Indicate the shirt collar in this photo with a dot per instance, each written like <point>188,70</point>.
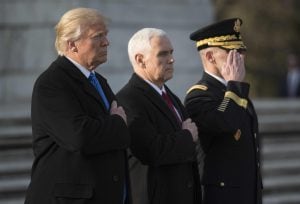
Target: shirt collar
<point>217,78</point>
<point>156,88</point>
<point>83,70</point>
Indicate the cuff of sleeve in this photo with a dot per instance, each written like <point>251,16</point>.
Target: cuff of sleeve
<point>238,92</point>
<point>239,88</point>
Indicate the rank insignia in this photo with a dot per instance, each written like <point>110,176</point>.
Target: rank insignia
<point>237,25</point>
<point>199,87</point>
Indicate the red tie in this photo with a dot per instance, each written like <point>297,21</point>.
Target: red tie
<point>171,106</point>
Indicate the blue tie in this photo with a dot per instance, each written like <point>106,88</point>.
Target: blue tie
<point>96,84</point>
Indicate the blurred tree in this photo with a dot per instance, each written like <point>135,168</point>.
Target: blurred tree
<point>271,31</point>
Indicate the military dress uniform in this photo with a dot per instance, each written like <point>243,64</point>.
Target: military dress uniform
<point>228,132</point>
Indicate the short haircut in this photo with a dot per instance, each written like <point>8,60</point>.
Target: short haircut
<point>73,24</point>
<point>140,41</point>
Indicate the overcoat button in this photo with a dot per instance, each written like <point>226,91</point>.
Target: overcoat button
<point>115,178</point>
<point>189,185</point>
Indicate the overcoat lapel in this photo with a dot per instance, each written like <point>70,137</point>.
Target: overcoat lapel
<point>155,98</point>
<point>75,73</point>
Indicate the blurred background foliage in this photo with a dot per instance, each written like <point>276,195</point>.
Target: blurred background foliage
<point>271,31</point>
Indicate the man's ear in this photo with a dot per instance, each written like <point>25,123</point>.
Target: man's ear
<point>139,59</point>
<point>72,46</point>
<point>209,55</point>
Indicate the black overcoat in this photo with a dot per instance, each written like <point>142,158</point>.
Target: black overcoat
<point>159,142</point>
<point>79,148</point>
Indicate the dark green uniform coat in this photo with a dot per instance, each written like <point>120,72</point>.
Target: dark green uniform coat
<point>228,132</point>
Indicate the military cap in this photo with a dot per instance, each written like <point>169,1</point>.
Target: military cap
<point>224,34</point>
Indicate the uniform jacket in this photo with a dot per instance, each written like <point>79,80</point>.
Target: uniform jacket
<point>79,147</point>
<point>159,142</point>
<point>228,132</point>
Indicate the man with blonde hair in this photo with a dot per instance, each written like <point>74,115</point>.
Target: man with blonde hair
<point>80,133</point>
<point>163,137</point>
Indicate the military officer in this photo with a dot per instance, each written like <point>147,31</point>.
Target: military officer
<point>228,129</point>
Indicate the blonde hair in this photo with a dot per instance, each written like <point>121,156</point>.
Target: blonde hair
<point>140,41</point>
<point>73,24</point>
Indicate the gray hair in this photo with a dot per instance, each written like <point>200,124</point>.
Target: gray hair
<point>140,41</point>
<point>73,24</point>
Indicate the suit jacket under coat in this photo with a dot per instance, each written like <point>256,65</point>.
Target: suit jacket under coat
<point>228,136</point>
<point>79,147</point>
<point>158,141</point>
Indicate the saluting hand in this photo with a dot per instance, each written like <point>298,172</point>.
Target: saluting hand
<point>189,125</point>
<point>234,68</point>
<point>118,111</point>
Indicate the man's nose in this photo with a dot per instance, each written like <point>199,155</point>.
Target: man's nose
<point>105,42</point>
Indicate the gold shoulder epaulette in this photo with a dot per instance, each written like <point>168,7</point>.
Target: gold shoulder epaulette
<point>198,86</point>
